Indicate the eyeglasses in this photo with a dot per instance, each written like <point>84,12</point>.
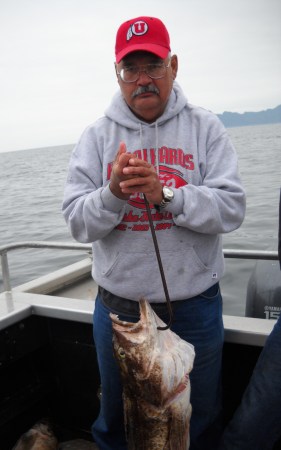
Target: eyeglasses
<point>155,71</point>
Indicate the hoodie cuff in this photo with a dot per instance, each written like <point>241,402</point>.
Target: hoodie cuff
<point>110,201</point>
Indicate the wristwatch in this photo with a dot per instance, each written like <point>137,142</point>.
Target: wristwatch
<point>168,195</point>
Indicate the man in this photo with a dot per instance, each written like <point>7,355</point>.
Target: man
<point>256,425</point>
<point>152,142</point>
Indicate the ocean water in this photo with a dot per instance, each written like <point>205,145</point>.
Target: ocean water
<point>32,183</point>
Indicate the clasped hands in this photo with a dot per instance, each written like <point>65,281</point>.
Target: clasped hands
<point>131,175</point>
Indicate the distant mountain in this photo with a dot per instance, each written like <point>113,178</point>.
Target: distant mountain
<point>232,119</point>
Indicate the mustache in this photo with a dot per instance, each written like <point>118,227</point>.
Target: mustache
<point>144,89</point>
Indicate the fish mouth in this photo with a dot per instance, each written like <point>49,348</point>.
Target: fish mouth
<point>123,325</point>
<point>148,320</point>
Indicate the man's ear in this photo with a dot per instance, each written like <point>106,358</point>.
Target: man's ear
<point>174,66</point>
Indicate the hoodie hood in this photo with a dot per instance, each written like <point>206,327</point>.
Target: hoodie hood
<point>119,112</point>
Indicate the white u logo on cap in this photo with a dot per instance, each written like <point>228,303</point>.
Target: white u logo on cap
<point>139,28</point>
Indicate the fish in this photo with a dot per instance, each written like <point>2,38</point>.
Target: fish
<point>154,367</point>
<point>39,437</point>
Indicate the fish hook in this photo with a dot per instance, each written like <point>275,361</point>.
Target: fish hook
<point>169,305</point>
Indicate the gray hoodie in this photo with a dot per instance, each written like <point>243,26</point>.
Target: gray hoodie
<point>193,155</point>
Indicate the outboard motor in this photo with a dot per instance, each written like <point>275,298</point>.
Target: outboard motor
<point>264,291</point>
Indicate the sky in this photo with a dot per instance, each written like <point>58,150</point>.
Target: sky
<point>57,60</point>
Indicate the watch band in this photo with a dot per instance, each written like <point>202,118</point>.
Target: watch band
<point>161,205</point>
<point>168,196</point>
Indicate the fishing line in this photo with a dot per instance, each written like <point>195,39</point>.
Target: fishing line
<point>169,305</point>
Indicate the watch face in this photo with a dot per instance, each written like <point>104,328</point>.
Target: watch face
<point>168,194</point>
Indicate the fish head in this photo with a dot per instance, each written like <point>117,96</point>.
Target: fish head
<point>151,360</point>
<point>133,342</point>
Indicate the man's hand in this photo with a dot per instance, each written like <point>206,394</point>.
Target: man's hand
<point>143,178</point>
<point>117,175</point>
<point>131,175</point>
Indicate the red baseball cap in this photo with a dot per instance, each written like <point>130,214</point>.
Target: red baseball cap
<point>142,33</point>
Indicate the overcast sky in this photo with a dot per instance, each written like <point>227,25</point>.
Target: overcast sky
<point>56,60</point>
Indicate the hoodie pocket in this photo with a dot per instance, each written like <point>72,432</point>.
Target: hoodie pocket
<point>134,275</point>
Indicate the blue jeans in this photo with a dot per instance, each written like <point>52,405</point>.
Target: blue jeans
<point>256,425</point>
<point>197,320</point>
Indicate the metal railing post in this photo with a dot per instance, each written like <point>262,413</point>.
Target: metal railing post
<point>5,272</point>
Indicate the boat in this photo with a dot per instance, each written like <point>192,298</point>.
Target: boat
<point>48,365</point>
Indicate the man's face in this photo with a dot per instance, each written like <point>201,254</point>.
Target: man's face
<point>148,104</point>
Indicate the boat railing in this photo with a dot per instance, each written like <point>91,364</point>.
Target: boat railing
<point>4,250</point>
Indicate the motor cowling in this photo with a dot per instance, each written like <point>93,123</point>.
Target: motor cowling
<point>264,291</point>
